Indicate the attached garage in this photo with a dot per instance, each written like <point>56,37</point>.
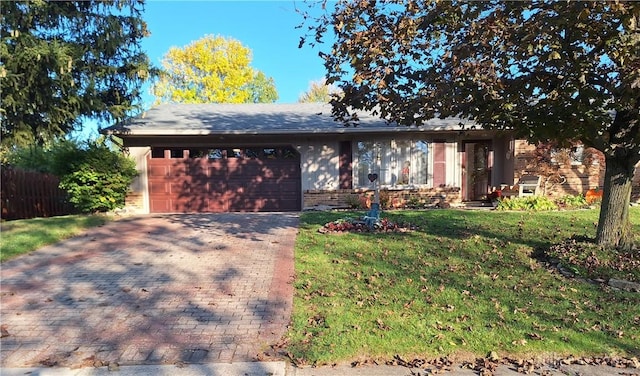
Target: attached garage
<point>225,179</point>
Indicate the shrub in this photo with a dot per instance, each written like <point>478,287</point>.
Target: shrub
<point>99,180</point>
<point>529,203</point>
<point>385,199</point>
<point>358,201</point>
<point>96,178</point>
<point>572,202</point>
<point>353,201</point>
<point>416,202</point>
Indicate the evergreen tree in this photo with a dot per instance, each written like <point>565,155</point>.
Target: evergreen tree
<point>63,61</point>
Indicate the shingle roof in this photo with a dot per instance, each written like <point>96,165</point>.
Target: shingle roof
<point>258,118</point>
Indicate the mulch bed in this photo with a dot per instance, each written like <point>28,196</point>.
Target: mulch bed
<point>359,225</point>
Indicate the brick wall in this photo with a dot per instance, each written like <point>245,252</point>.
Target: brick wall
<point>579,178</point>
<point>134,202</point>
<point>344,198</point>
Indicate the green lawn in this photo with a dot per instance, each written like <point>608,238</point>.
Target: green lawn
<point>25,235</point>
<point>466,283</point>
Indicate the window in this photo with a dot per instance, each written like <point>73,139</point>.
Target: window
<point>397,162</point>
<point>205,153</point>
<point>252,153</point>
<point>289,153</point>
<point>157,152</point>
<point>577,155</point>
<point>197,153</point>
<point>177,153</point>
<point>270,153</point>
<point>234,153</point>
<point>573,156</point>
<point>214,154</point>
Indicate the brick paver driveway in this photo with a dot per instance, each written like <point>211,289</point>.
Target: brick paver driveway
<point>164,289</point>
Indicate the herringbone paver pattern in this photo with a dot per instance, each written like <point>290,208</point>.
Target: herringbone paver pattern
<point>152,289</point>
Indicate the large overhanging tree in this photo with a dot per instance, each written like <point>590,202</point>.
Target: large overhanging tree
<point>63,61</point>
<point>548,70</point>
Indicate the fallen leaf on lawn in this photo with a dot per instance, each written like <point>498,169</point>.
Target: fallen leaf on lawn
<point>3,331</point>
<point>520,342</point>
<point>535,336</point>
<point>382,325</point>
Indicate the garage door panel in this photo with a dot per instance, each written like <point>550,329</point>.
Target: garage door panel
<point>216,186</point>
<point>158,188</point>
<point>274,186</point>
<point>198,171</point>
<point>248,169</point>
<point>217,205</point>
<point>192,205</point>
<point>160,206</point>
<point>157,171</point>
<point>286,185</point>
<point>182,187</point>
<point>247,204</point>
<point>240,184</point>
<point>279,205</point>
<point>217,171</point>
<point>176,169</point>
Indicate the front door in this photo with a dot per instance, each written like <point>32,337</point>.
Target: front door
<point>477,170</point>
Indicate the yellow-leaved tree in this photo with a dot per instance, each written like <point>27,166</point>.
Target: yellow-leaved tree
<point>319,92</point>
<point>213,69</point>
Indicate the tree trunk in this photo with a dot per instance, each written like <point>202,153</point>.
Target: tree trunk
<point>614,227</point>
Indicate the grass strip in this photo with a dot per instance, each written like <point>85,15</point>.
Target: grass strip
<point>25,235</point>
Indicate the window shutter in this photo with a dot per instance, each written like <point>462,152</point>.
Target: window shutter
<point>439,164</point>
<point>345,168</point>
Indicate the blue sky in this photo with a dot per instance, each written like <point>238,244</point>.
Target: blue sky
<point>268,28</point>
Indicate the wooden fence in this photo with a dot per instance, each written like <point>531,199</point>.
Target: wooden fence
<point>26,194</point>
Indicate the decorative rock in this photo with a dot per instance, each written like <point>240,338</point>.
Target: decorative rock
<point>624,285</point>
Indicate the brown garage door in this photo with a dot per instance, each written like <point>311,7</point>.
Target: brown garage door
<point>224,179</point>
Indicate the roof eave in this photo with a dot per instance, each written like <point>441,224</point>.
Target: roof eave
<point>290,132</point>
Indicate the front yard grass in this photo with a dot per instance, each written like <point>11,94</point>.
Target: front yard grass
<point>25,235</point>
<point>466,283</point>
